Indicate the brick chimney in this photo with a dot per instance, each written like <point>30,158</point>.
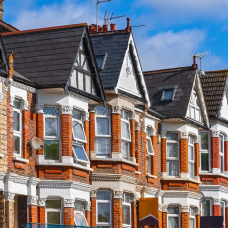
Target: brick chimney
<point>1,9</point>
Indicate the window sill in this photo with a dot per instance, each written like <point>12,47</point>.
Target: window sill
<point>214,174</point>
<point>181,179</point>
<point>15,158</point>
<point>137,172</point>
<point>115,160</point>
<point>151,176</point>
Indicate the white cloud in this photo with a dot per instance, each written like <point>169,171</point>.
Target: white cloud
<point>55,15</point>
<point>169,49</point>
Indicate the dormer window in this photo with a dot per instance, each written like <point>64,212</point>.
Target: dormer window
<point>168,94</point>
<point>101,59</point>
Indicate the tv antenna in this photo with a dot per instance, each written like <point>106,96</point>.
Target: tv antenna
<point>109,17</point>
<point>199,56</point>
<point>97,2</point>
<point>137,26</point>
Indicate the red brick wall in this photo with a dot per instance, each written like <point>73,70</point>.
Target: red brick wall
<point>66,135</point>
<point>68,217</point>
<point>93,212</point>
<point>117,213</point>
<point>41,214</point>
<point>133,215</point>
<point>86,128</point>
<point>116,133</point>
<point>216,210</point>
<point>32,214</point>
<point>164,219</point>
<point>226,217</point>
<point>185,220</point>
<point>226,156</point>
<point>40,130</point>
<point>160,219</point>
<point>87,215</point>
<point>215,152</point>
<point>132,144</point>
<point>183,155</point>
<point>197,221</point>
<point>137,148</point>
<point>163,152</point>
<point>197,160</point>
<point>153,158</point>
<point>92,131</point>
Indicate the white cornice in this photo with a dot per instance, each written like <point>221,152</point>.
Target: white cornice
<point>24,87</point>
<point>213,188</point>
<point>181,194</point>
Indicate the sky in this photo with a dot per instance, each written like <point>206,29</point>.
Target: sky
<point>175,29</point>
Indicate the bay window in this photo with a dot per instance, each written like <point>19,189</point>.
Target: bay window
<point>172,154</point>
<point>206,207</point>
<point>149,149</point>
<point>51,133</point>
<point>204,151</point>
<point>221,153</point>
<point>192,218</point>
<point>17,127</point>
<point>173,217</point>
<point>103,132</point>
<point>104,208</point>
<point>191,156</point>
<point>53,210</point>
<point>125,134</point>
<point>126,210</point>
<point>79,214</point>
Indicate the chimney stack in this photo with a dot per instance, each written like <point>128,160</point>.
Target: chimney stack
<point>1,9</point>
<point>195,66</point>
<point>105,28</point>
<point>128,28</point>
<point>113,27</point>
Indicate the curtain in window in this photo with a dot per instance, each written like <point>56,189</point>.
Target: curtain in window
<point>78,131</point>
<point>102,126</point>
<point>206,208</point>
<point>102,146</point>
<point>173,168</point>
<point>173,222</point>
<point>172,150</point>
<point>125,133</point>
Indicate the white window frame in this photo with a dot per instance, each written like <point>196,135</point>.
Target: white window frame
<point>54,210</point>
<point>174,215</point>
<point>149,154</point>
<point>126,141</point>
<point>191,161</point>
<point>178,153</point>
<point>224,212</point>
<point>79,212</point>
<point>203,151</point>
<point>18,133</point>
<point>129,205</point>
<point>103,224</point>
<point>79,160</point>
<point>192,217</point>
<point>55,138</point>
<point>221,153</point>
<point>97,136</point>
<point>195,107</point>
<point>211,207</point>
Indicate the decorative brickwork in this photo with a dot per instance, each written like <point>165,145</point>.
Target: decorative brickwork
<point>133,215</point>
<point>197,221</point>
<point>116,133</point>
<point>214,152</point>
<point>33,214</point>
<point>164,219</point>
<point>184,220</point>
<point>160,219</point>
<point>216,210</point>
<point>93,212</point>
<point>66,135</point>
<point>117,213</point>
<point>41,214</point>
<point>183,155</point>
<point>68,216</point>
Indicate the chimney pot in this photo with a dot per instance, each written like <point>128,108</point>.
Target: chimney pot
<point>92,29</point>
<point>113,27</point>
<point>128,28</point>
<point>105,28</point>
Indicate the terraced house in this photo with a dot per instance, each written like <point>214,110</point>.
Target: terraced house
<point>85,133</point>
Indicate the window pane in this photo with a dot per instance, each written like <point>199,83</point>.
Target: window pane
<point>78,131</point>
<point>16,121</point>
<point>100,60</point>
<point>221,162</point>
<point>80,81</point>
<point>204,140</point>
<point>103,195</point>
<point>192,112</point>
<point>204,162</point>
<point>16,145</point>
<point>80,220</point>
<point>53,217</point>
<point>149,146</point>
<point>87,83</point>
<point>191,169</point>
<point>222,208</point>
<point>192,221</point>
<point>173,168</point>
<point>17,104</point>
<point>79,206</point>
<point>206,208</point>
<point>125,131</point>
<point>190,152</point>
<point>148,164</point>
<point>102,146</point>
<point>51,149</point>
<point>126,214</point>
<point>173,222</point>
<point>77,115</point>
<point>80,153</point>
<point>220,143</point>
<point>168,94</point>
<point>51,127</point>
<point>172,150</point>
<point>102,126</point>
<point>53,204</point>
<point>125,149</point>
<point>197,115</point>
<point>104,212</point>
<point>51,111</point>
<point>173,210</point>
<point>124,115</point>
<point>126,198</point>
<point>172,136</point>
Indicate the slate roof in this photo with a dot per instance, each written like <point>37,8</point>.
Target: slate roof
<point>213,84</point>
<point>182,78</point>
<point>115,45</point>
<point>45,56</point>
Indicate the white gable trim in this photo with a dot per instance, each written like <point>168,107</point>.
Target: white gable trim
<point>222,102</point>
<point>135,54</point>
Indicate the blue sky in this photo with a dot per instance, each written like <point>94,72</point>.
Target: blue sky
<point>175,29</point>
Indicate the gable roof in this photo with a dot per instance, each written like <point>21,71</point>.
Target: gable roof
<point>115,45</point>
<point>181,79</point>
<point>45,56</point>
<point>213,84</point>
<point>5,27</point>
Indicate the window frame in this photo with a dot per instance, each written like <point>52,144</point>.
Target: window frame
<point>129,205</point>
<point>194,106</point>
<point>75,156</point>
<point>149,154</point>
<point>79,212</point>
<point>82,124</point>
<point>178,152</point>
<point>103,136</point>
<point>103,224</point>
<point>18,133</point>
<point>192,217</point>
<point>191,161</point>
<point>54,210</point>
<point>211,207</point>
<point>224,212</point>
<point>221,153</point>
<point>124,140</point>
<point>203,151</point>
<point>174,216</point>
<point>168,88</point>
<point>53,138</point>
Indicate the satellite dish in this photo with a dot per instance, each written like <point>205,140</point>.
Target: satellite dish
<point>37,143</point>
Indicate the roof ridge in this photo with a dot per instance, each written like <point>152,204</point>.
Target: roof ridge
<point>168,70</point>
<point>9,26</point>
<point>42,29</point>
<point>122,31</point>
